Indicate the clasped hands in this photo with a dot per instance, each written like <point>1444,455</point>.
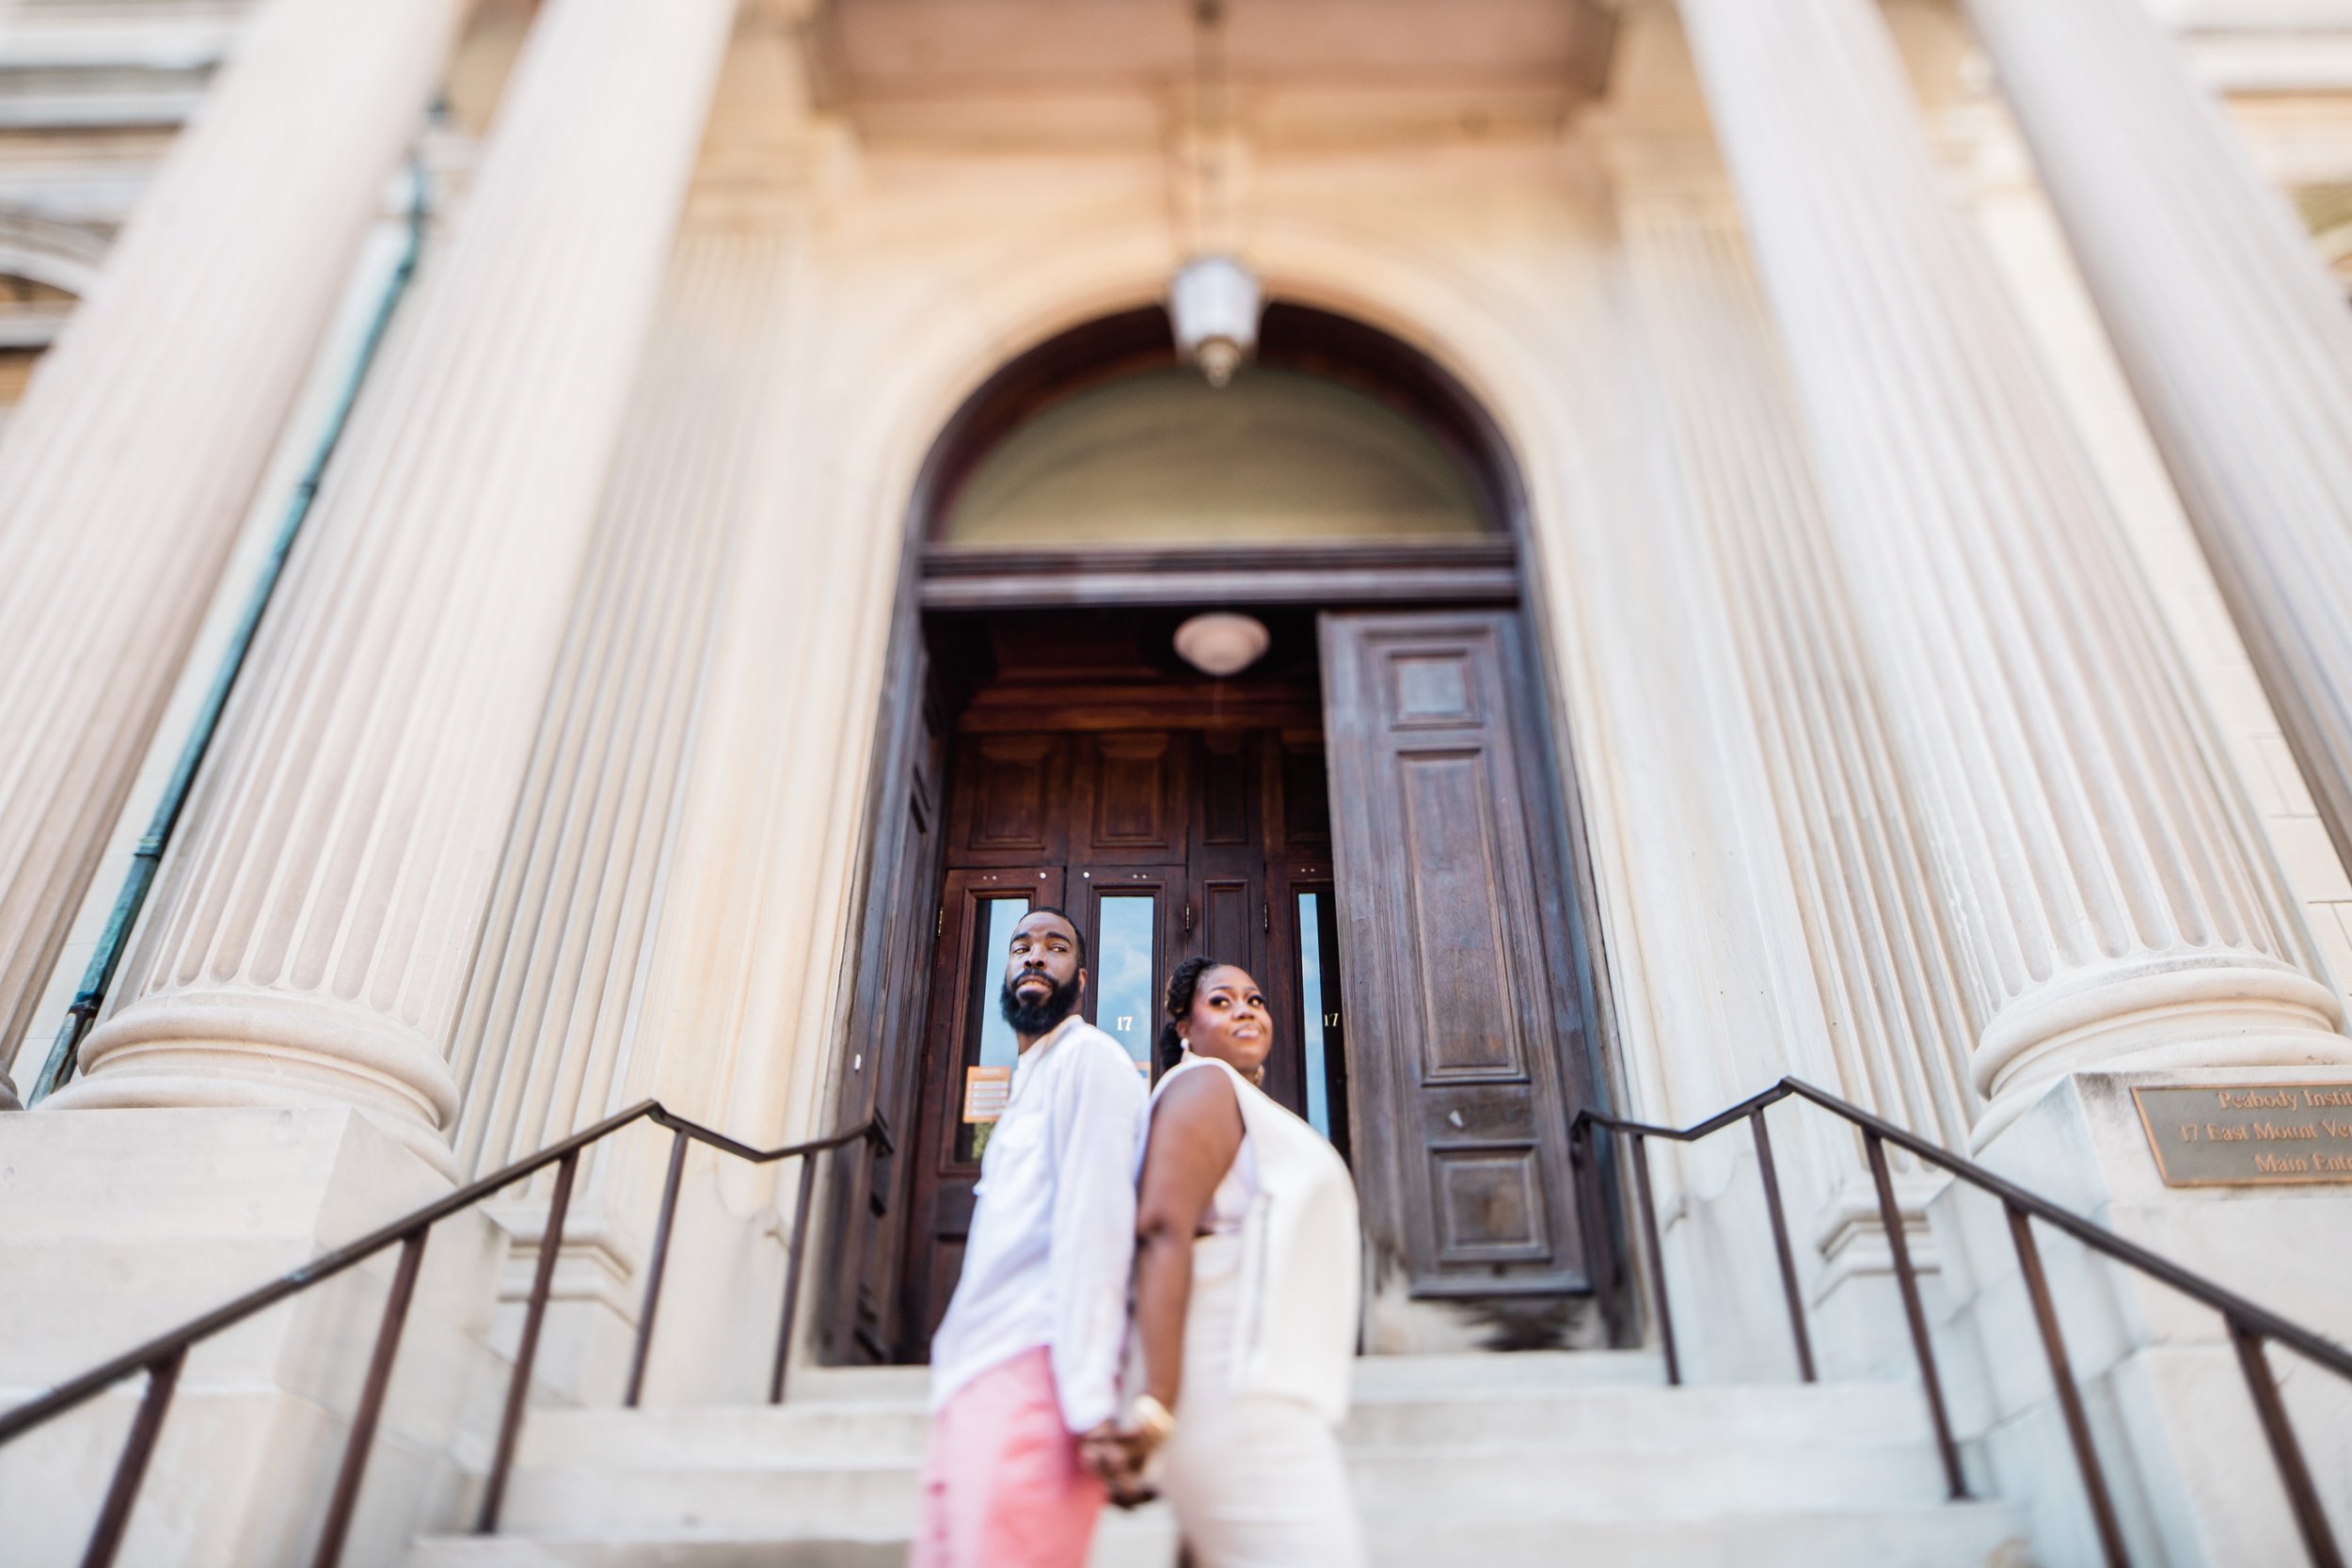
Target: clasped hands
<point>1119,1458</point>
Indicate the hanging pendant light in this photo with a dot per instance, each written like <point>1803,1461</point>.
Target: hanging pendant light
<point>1215,302</point>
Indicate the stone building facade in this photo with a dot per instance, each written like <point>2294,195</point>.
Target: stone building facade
<point>1786,537</point>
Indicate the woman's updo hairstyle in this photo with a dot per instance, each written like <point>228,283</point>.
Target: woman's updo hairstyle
<point>1182,987</point>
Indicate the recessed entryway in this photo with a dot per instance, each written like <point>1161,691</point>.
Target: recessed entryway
<point>1367,814</point>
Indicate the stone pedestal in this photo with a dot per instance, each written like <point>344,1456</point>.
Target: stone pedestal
<point>2169,1411</point>
<point>117,1225</point>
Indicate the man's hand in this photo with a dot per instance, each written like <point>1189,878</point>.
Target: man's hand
<point>1118,1458</point>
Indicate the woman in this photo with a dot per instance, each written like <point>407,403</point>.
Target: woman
<point>1246,1295</point>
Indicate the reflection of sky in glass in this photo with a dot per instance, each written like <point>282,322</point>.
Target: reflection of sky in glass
<point>1122,1003</point>
<point>997,1046</point>
<point>1311,1010</point>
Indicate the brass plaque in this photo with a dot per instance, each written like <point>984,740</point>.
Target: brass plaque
<point>2249,1134</point>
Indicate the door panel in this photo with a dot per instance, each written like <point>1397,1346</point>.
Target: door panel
<point>1456,924</point>
<point>1231,918</point>
<point>1011,800</point>
<point>1133,798</point>
<point>1225,769</point>
<point>1300,793</point>
<point>1467,1065</point>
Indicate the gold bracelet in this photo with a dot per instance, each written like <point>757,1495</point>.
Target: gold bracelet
<point>1150,1416</point>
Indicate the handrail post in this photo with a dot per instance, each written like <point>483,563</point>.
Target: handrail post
<point>2069,1398</point>
<point>2311,1516</point>
<point>792,1276</point>
<point>1907,1282</point>
<point>138,1446</point>
<point>1766,1169</point>
<point>1657,1255</point>
<point>654,1267</point>
<point>345,1499</point>
<point>518,1387</point>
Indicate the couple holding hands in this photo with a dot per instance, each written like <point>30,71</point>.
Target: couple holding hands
<point>1159,1293</point>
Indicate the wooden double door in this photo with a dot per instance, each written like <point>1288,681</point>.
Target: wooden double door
<point>1380,841</point>
<point>1159,843</point>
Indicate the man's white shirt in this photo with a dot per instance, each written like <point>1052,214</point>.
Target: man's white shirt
<point>1052,1233</point>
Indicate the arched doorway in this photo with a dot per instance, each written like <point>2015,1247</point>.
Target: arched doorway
<point>1365,815</point>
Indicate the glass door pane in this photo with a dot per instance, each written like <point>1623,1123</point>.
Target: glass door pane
<point>1322,1031</point>
<point>1130,910</point>
<point>1127,978</point>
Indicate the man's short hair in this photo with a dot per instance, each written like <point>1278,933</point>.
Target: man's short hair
<point>1068,919</point>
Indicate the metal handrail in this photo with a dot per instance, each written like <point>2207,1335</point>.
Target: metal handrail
<point>162,1357</point>
<point>2250,1324</point>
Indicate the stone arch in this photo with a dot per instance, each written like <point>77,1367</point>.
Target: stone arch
<point>958,340</point>
<point>923,353</point>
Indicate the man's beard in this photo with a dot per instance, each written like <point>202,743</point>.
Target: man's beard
<point>1034,1018</point>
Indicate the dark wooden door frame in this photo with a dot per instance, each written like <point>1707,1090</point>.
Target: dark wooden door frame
<point>1456,575</point>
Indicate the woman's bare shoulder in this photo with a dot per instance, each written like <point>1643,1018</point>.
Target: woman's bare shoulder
<point>1197,1097</point>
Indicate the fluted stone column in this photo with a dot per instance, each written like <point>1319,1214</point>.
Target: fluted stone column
<point>2231,330</point>
<point>319,926</point>
<point>544,1038</point>
<point>2097,874</point>
<point>133,457</point>
<point>1898,1028</point>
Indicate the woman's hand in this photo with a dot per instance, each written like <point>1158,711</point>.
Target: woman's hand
<point>1119,1458</point>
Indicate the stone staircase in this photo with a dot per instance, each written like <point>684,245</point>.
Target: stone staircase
<point>1477,1460</point>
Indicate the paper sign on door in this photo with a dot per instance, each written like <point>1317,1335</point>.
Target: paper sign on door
<point>986,1092</point>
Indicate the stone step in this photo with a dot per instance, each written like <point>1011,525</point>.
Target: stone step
<point>873,1431</point>
<point>1475,1374</point>
<point>1858,1415</point>
<point>1481,1461</point>
<point>788,1498</point>
<point>1953,1535</point>
<point>1467,1374</point>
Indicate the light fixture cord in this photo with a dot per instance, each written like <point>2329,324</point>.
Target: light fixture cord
<point>1211,120</point>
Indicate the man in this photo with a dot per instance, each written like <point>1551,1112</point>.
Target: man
<point>1024,1367</point>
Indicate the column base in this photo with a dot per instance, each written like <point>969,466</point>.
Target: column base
<point>2176,1433</point>
<point>2158,1012</point>
<point>121,1224</point>
<point>262,1049</point>
<point>1855,1305</point>
<point>593,1301</point>
<point>1723,1276</point>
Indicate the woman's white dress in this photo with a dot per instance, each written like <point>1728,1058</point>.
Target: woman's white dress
<point>1253,1471</point>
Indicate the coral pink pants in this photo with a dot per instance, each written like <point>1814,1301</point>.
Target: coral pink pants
<point>1003,1486</point>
